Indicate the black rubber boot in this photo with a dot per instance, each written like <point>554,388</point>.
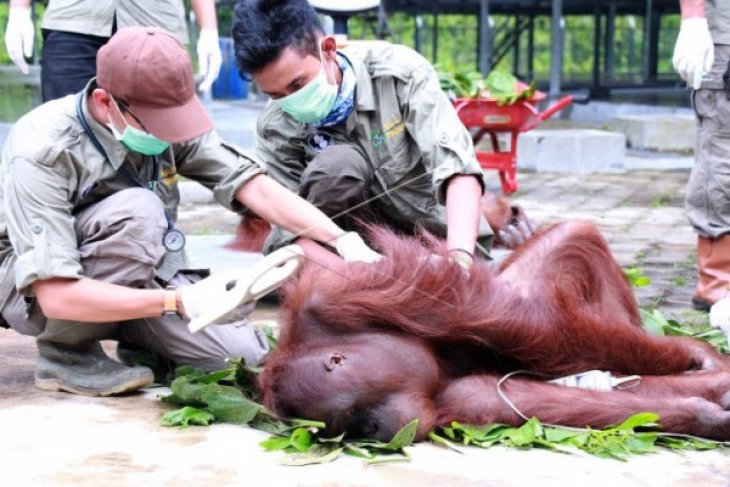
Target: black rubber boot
<point>700,304</point>
<point>87,372</point>
<point>132,355</point>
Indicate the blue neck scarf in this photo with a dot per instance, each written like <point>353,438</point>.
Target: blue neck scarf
<point>345,101</point>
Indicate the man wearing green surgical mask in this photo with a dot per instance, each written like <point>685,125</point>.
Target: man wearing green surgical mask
<point>363,133</point>
<point>88,203</point>
<point>134,139</point>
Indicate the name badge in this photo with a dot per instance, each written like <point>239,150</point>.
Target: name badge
<point>319,141</point>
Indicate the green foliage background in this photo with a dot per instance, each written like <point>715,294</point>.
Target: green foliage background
<point>457,41</point>
<point>4,59</point>
<point>458,37</point>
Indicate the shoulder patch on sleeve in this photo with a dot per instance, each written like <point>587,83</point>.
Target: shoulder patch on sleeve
<point>42,138</point>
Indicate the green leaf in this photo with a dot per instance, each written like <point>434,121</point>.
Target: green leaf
<point>523,436</point>
<point>565,436</point>
<point>389,459</point>
<point>275,443</point>
<point>336,439</point>
<point>642,281</point>
<point>227,404</point>
<point>188,371</point>
<point>641,443</point>
<point>302,439</point>
<point>173,399</point>
<point>639,419</point>
<point>480,433</point>
<point>307,423</point>
<point>403,437</point>
<point>654,322</point>
<point>441,441</point>
<point>686,443</point>
<point>186,416</point>
<point>636,277</point>
<point>316,455</point>
<point>228,375</point>
<point>356,451</point>
<point>501,85</point>
<point>187,389</point>
<point>270,425</point>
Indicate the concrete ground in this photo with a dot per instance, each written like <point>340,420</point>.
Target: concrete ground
<point>61,439</point>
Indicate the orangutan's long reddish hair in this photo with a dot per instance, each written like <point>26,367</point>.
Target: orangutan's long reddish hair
<point>559,305</point>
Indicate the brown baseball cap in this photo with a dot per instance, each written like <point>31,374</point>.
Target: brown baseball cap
<point>150,70</point>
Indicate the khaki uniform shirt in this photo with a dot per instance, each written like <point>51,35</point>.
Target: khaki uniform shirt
<point>718,19</point>
<point>402,123</point>
<point>50,169</point>
<point>96,17</point>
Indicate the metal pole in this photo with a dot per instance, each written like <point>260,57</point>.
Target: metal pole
<point>531,49</point>
<point>435,38</point>
<point>610,36</point>
<point>654,45</point>
<point>485,48</point>
<point>631,47</point>
<point>340,24</point>
<point>597,45</point>
<point>646,70</point>
<point>382,22</point>
<point>556,49</point>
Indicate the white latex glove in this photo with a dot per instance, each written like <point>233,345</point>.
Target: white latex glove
<point>352,248</point>
<point>720,315</point>
<point>19,36</point>
<point>227,297</point>
<point>209,57</point>
<point>694,51</point>
<point>213,293</point>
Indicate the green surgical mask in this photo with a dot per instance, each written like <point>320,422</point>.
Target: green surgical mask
<point>312,102</point>
<point>138,140</point>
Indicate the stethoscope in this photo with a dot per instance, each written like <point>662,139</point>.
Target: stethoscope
<point>173,239</point>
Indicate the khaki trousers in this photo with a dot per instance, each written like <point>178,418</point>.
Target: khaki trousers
<point>120,241</point>
<point>708,191</point>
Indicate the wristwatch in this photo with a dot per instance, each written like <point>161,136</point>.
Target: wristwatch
<point>169,307</point>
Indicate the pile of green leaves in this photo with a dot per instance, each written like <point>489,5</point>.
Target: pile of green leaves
<point>616,442</point>
<point>222,396</point>
<point>230,396</point>
<point>304,447</point>
<point>656,324</point>
<point>500,85</point>
<point>461,84</point>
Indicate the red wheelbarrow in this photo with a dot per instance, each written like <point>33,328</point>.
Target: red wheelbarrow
<point>488,117</point>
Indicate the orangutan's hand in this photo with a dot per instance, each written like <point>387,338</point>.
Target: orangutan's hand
<point>518,230</point>
<point>511,225</point>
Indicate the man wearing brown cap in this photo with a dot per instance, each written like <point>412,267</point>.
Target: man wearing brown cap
<point>88,245</point>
